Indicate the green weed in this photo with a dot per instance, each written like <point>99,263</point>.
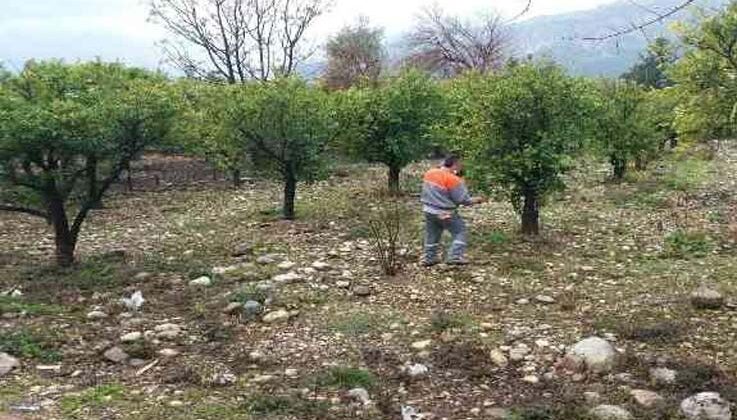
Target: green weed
<point>93,398</point>
<point>346,378</point>
<point>684,244</point>
<point>28,345</point>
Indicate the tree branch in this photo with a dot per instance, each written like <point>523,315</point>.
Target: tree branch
<point>640,26</point>
<point>26,210</point>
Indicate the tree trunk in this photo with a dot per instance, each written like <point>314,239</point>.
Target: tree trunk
<point>236,173</point>
<point>619,168</point>
<point>290,191</point>
<point>65,240</point>
<point>92,187</point>
<point>531,214</point>
<point>394,179</point>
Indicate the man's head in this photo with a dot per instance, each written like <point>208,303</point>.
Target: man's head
<point>453,163</point>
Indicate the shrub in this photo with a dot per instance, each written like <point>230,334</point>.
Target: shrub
<point>684,244</point>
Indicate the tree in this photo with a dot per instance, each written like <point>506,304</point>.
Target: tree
<point>650,71</point>
<point>625,130</point>
<point>705,77</point>
<point>240,40</point>
<point>286,128</point>
<point>355,55</point>
<point>519,132</point>
<point>449,46</point>
<point>204,128</point>
<point>58,121</point>
<point>390,124</point>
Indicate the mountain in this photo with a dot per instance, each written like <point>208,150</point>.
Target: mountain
<point>560,37</point>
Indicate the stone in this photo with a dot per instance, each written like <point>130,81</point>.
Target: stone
<point>260,379</point>
<point>416,370</point>
<point>291,373</point>
<point>168,331</point>
<point>287,278</point>
<point>233,308</point>
<point>136,362</point>
<point>645,398</point>
<point>223,379</point>
<point>360,395</point>
<point>7,363</point>
<point>663,376</point>
<point>96,315</point>
<point>498,358</point>
<point>116,355</point>
<point>131,337</point>
<point>522,301</point>
<point>706,297</point>
<point>362,291</point>
<point>547,300</point>
<point>592,397</point>
<point>243,249</point>
<point>175,403</point>
<point>252,307</point>
<point>276,316</point>
<point>203,281</point>
<point>142,276</point>
<point>519,352</point>
<point>594,354</point>
<point>706,406</point>
<point>266,260</point>
<point>610,412</point>
<point>168,352</point>
<point>421,345</point>
<point>343,284</point>
<point>286,265</point>
<point>321,266</point>
<point>531,379</point>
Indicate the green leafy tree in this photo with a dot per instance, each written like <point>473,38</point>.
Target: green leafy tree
<point>651,70</point>
<point>705,77</point>
<point>355,56</point>
<point>520,131</point>
<point>625,131</point>
<point>391,124</point>
<point>205,129</point>
<point>58,123</point>
<point>286,129</point>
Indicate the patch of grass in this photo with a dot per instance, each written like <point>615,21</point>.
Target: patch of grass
<point>29,345</point>
<point>267,405</point>
<point>521,264</point>
<point>684,244</point>
<point>92,398</point>
<point>497,239</point>
<point>443,321</point>
<point>686,175</point>
<point>561,412</point>
<point>249,292</point>
<point>345,378</point>
<point>359,323</point>
<point>10,304</point>
<point>141,349</point>
<point>658,332</point>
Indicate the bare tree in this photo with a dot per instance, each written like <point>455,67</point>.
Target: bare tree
<point>355,54</point>
<point>448,45</point>
<point>237,40</point>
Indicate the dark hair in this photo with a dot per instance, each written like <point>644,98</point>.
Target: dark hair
<point>451,161</point>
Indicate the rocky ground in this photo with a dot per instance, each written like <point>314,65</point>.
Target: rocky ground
<point>193,301</point>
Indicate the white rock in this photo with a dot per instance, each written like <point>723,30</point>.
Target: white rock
<point>291,373</point>
<point>519,352</point>
<point>593,353</point>
<point>168,331</point>
<point>7,363</point>
<point>286,265</point>
<point>498,358</point>
<point>610,412</point>
<point>547,300</point>
<point>266,260</point>
<point>706,406</point>
<point>276,316</point>
<point>321,266</point>
<point>645,398</point>
<point>663,376</point>
<point>263,379</point>
<point>203,281</point>
<point>287,278</point>
<point>421,345</point>
<point>95,315</point>
<point>360,395</point>
<point>169,352</point>
<point>343,284</point>
<point>132,336</point>
<point>133,303</point>
<point>532,379</point>
<point>116,355</point>
<point>233,308</point>
<point>416,370</point>
<point>592,397</point>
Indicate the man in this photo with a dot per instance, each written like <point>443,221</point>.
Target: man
<point>443,191</point>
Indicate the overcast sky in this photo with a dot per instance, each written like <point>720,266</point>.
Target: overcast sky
<point>118,29</point>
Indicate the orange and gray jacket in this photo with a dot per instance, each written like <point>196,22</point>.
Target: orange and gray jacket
<point>443,192</point>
